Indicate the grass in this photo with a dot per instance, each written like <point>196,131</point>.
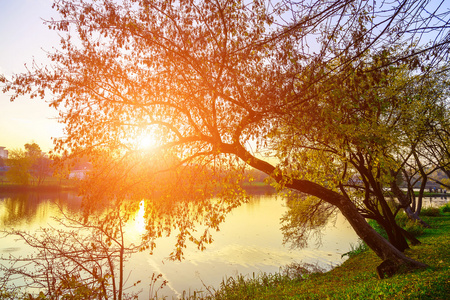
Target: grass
<point>356,278</point>
<point>430,194</point>
<point>430,212</point>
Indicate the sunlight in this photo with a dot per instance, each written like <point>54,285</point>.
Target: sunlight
<point>139,219</point>
<point>143,141</point>
<point>146,142</point>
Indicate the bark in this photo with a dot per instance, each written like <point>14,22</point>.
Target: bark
<point>385,218</point>
<point>385,250</point>
<point>422,185</point>
<point>393,259</point>
<point>395,235</point>
<point>404,203</point>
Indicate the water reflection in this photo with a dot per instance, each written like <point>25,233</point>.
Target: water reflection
<point>31,210</point>
<point>139,219</point>
<point>435,201</point>
<point>249,241</point>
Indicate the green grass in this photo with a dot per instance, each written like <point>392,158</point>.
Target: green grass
<point>429,194</point>
<point>356,278</point>
<point>430,212</point>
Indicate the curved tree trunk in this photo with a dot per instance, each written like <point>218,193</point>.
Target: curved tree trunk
<point>404,203</point>
<point>394,260</point>
<point>395,235</point>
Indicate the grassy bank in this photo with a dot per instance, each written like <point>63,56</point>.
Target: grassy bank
<point>356,278</point>
<point>12,188</point>
<point>433,194</point>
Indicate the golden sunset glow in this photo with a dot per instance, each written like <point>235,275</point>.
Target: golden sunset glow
<point>143,142</point>
<point>139,219</point>
<point>146,142</point>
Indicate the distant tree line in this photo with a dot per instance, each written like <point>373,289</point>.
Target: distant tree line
<point>28,166</point>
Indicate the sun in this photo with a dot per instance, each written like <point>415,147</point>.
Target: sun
<point>146,142</point>
<point>142,142</point>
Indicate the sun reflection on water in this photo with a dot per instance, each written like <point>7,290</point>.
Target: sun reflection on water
<point>139,219</point>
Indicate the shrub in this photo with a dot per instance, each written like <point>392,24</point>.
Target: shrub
<point>401,219</point>
<point>445,208</point>
<point>430,212</point>
<point>414,227</point>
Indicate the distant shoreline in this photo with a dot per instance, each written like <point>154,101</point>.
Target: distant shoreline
<point>433,194</point>
<point>259,189</point>
<point>32,188</point>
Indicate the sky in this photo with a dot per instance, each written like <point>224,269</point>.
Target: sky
<point>23,36</point>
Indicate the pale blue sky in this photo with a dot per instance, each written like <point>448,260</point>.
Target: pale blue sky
<point>23,36</point>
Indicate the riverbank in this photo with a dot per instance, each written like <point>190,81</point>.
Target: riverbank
<point>356,278</point>
<point>428,194</point>
<point>12,188</point>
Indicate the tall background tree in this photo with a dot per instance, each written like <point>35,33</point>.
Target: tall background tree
<point>29,166</point>
<point>19,166</point>
<point>219,82</point>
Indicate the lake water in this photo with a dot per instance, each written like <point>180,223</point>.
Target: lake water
<point>249,242</point>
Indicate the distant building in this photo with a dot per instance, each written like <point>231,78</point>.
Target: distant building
<point>80,171</point>
<point>78,174</point>
<point>3,153</point>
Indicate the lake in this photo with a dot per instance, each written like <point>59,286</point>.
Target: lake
<point>249,242</point>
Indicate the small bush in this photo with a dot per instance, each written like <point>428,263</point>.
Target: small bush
<point>414,227</point>
<point>430,212</point>
<point>401,219</point>
<point>445,208</point>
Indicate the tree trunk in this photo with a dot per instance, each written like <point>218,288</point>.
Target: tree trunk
<point>394,261</point>
<point>410,237</point>
<point>404,203</point>
<point>394,233</point>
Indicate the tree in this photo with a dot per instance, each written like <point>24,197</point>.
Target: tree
<point>40,164</point>
<point>211,77</point>
<point>28,166</point>
<point>425,132</point>
<point>351,141</point>
<point>19,165</point>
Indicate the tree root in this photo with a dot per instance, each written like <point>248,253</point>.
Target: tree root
<point>389,268</point>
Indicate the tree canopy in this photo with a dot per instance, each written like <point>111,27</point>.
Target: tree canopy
<point>28,166</point>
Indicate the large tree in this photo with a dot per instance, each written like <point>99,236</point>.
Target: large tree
<point>213,79</point>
